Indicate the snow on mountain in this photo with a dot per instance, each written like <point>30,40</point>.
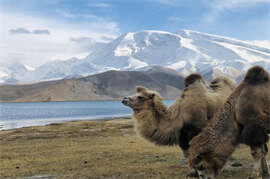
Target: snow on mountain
<point>223,51</point>
<point>12,71</point>
<point>184,51</point>
<point>261,43</point>
<point>29,67</point>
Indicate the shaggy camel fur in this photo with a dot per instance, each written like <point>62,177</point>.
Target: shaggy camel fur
<point>185,118</point>
<point>243,118</point>
<point>161,124</point>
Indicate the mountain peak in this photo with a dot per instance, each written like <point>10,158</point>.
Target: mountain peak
<point>184,51</point>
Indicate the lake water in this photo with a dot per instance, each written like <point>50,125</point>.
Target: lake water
<point>16,115</point>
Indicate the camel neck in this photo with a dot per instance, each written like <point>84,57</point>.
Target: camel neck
<point>157,127</point>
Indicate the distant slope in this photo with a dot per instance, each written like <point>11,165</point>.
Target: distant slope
<point>12,92</point>
<point>104,86</point>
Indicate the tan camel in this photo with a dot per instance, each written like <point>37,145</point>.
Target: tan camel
<point>185,118</point>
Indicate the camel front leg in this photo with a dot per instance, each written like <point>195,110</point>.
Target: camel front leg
<point>185,153</point>
<point>257,154</point>
<point>193,174</point>
<point>265,173</point>
<point>259,157</point>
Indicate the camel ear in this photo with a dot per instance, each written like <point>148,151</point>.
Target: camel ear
<point>140,89</point>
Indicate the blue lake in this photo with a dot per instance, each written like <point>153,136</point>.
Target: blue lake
<point>16,115</point>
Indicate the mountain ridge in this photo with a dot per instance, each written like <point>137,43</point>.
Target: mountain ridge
<point>109,85</point>
<point>185,51</point>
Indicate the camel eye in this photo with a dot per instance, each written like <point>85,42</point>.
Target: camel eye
<point>198,157</point>
<point>140,98</point>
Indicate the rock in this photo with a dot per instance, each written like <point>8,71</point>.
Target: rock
<point>236,164</point>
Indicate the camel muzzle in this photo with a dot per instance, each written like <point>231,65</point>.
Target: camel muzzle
<point>126,100</point>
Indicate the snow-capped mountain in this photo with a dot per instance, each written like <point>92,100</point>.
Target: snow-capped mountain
<point>184,51</point>
<point>12,71</point>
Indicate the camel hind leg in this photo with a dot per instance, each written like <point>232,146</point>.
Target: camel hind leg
<point>256,137</point>
<point>187,133</point>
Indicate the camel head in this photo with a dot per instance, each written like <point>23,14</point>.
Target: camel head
<point>207,159</point>
<point>222,82</point>
<point>205,165</point>
<point>144,99</point>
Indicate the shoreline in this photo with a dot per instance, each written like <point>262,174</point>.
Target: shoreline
<point>10,125</point>
<point>116,99</point>
<point>92,100</point>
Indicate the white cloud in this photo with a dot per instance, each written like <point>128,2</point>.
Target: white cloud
<point>230,4</point>
<point>34,50</point>
<point>166,2</point>
<point>100,5</point>
<point>65,13</point>
<point>220,6</point>
<point>19,30</point>
<point>46,32</point>
<point>172,18</point>
<point>171,2</point>
<point>84,44</point>
<point>22,30</point>
<point>88,17</point>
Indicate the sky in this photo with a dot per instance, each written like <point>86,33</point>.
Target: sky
<point>37,31</point>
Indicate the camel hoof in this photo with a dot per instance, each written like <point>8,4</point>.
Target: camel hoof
<point>266,176</point>
<point>193,174</point>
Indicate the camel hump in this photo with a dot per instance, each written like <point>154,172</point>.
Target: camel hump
<point>256,74</point>
<point>192,78</point>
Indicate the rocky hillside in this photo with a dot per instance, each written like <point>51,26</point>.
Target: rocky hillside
<point>104,86</point>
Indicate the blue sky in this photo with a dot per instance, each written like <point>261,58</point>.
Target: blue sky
<point>71,24</point>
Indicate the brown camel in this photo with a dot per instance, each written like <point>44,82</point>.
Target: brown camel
<point>243,118</point>
<point>185,118</point>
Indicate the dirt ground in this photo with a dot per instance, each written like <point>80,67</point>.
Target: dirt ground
<point>91,149</point>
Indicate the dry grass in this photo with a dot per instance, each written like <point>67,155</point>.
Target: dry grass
<point>89,149</point>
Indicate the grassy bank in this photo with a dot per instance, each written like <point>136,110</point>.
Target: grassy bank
<point>86,149</point>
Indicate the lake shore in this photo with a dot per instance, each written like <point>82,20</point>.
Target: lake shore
<point>15,124</point>
<point>97,149</point>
